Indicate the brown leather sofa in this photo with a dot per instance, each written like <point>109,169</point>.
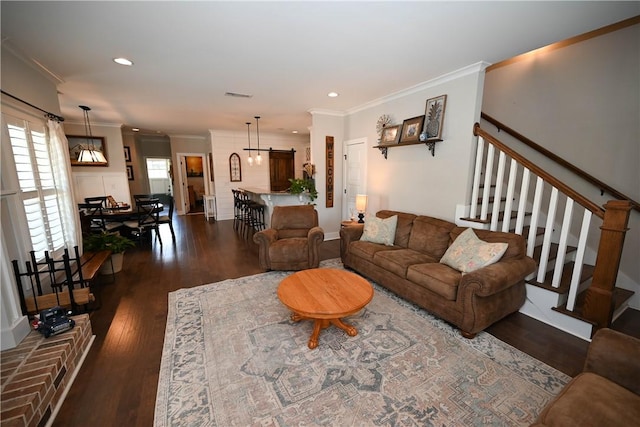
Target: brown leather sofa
<point>293,241</point>
<point>411,269</point>
<point>606,392</point>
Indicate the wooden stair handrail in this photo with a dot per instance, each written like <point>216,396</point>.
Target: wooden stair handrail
<point>588,204</point>
<point>562,162</point>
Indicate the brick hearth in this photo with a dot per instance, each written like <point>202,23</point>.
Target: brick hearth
<point>35,374</point>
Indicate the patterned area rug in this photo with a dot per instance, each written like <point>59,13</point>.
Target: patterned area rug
<point>232,357</point>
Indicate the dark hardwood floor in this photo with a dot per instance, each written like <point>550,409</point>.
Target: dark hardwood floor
<point>117,383</point>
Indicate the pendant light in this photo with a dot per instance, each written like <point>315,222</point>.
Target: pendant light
<point>258,157</point>
<point>250,159</point>
<point>89,154</point>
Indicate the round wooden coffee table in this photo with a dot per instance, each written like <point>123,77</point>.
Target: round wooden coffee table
<point>325,295</point>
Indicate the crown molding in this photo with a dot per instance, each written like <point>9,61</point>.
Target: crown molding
<point>453,75</point>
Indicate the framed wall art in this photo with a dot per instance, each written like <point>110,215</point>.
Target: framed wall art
<point>130,172</point>
<point>127,154</point>
<point>390,135</point>
<point>411,129</point>
<point>434,113</point>
<point>78,143</point>
<point>235,168</point>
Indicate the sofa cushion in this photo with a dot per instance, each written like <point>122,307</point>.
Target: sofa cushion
<point>398,261</point>
<point>430,236</point>
<point>403,229</point>
<point>438,278</point>
<point>379,230</point>
<point>367,250</point>
<point>592,400</point>
<point>517,243</point>
<point>468,253</point>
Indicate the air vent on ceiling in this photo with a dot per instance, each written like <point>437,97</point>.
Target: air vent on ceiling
<point>238,95</point>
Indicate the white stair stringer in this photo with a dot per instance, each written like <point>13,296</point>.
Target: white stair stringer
<point>538,305</point>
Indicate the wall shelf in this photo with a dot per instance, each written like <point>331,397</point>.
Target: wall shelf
<point>430,143</point>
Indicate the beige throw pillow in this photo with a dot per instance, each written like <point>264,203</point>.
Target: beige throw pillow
<point>468,253</point>
<point>378,230</point>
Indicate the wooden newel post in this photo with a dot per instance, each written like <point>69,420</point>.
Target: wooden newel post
<point>598,305</point>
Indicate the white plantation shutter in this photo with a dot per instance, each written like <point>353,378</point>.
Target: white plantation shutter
<point>37,185</point>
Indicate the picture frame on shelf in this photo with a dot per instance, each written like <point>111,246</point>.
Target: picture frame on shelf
<point>127,154</point>
<point>130,172</point>
<point>434,116</point>
<point>390,135</point>
<point>78,143</point>
<point>411,129</point>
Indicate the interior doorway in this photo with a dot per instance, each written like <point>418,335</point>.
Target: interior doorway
<point>192,179</point>
<point>355,175</point>
<point>281,168</point>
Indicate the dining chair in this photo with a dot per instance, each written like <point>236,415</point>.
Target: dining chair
<point>94,214</point>
<point>168,219</point>
<point>147,211</point>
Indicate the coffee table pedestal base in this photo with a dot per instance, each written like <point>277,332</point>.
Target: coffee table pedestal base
<point>320,324</point>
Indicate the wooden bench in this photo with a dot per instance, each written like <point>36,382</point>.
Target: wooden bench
<point>91,263</point>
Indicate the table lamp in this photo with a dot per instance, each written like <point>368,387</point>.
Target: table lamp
<point>361,206</point>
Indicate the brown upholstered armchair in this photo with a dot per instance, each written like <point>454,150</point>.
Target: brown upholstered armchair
<point>293,241</point>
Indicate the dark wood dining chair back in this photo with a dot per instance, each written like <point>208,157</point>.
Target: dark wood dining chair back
<point>148,213</point>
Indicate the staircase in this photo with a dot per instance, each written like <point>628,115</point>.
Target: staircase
<point>576,243</point>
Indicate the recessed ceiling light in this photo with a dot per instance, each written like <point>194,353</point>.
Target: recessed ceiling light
<point>332,94</point>
<point>294,131</point>
<point>122,61</point>
<point>135,129</point>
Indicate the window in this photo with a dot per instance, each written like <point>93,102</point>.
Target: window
<point>37,187</point>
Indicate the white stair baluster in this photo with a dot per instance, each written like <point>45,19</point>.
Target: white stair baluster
<point>577,269</point>
<point>522,204</point>
<point>535,216</point>
<point>548,231</point>
<point>476,178</point>
<point>486,192</point>
<point>510,188</point>
<point>497,194</point>
<point>562,243</point>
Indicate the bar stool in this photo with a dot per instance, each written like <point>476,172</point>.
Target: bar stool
<point>256,216</point>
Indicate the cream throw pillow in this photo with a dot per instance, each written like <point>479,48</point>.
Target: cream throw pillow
<point>378,230</point>
<point>468,253</point>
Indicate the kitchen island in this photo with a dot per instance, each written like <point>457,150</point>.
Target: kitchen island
<point>275,198</point>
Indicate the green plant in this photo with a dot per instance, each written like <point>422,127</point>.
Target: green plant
<point>107,241</point>
<point>299,186</point>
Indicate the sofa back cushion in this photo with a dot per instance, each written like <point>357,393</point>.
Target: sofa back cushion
<point>403,227</point>
<point>431,236</point>
<point>517,243</point>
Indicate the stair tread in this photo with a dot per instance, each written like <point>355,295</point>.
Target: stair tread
<point>514,215</point>
<point>565,279</point>
<point>553,251</point>
<point>620,296</point>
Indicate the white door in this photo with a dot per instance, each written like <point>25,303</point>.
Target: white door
<point>158,175</point>
<point>355,173</point>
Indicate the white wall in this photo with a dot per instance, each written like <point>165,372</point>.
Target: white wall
<point>224,143</point>
<point>325,124</point>
<point>580,101</point>
<point>410,179</point>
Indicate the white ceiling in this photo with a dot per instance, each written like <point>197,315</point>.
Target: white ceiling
<point>288,55</point>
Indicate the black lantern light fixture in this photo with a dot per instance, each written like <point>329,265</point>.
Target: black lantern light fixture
<point>258,157</point>
<point>89,154</point>
<point>250,159</point>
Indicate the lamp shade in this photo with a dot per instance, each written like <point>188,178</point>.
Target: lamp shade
<point>91,156</point>
<point>361,202</point>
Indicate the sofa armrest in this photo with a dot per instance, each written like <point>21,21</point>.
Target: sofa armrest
<point>497,277</point>
<point>348,234</point>
<point>615,356</point>
<point>264,239</point>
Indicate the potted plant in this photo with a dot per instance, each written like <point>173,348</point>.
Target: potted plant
<point>112,241</point>
<point>299,186</point>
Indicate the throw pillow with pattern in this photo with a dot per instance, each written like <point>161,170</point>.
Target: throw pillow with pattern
<point>468,253</point>
<point>378,230</point>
